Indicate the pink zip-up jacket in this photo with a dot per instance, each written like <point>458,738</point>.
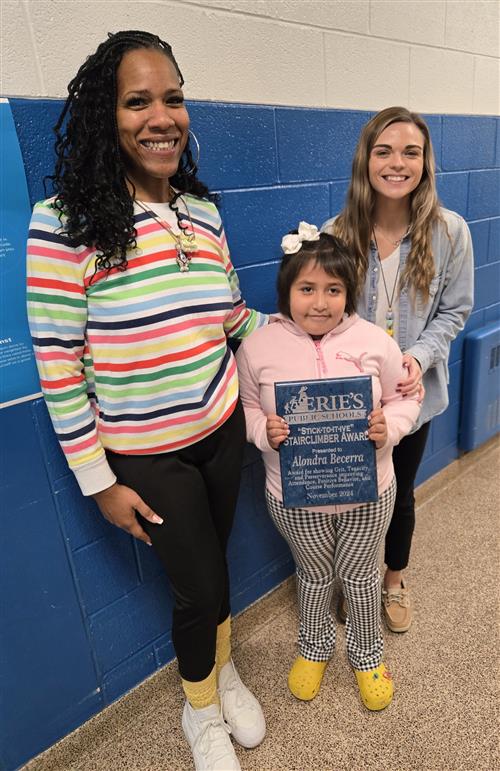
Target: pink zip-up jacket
<point>282,351</point>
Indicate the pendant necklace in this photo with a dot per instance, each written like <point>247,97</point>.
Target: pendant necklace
<point>389,316</point>
<point>185,243</point>
<point>394,243</point>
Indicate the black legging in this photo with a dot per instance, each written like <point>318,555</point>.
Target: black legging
<point>406,457</point>
<point>195,491</point>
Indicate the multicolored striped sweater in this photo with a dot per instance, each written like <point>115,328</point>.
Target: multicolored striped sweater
<point>135,361</point>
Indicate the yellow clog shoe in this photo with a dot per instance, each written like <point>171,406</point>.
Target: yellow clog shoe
<point>375,687</point>
<point>304,678</point>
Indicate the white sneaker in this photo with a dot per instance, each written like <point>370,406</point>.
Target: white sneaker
<point>240,708</point>
<point>208,737</point>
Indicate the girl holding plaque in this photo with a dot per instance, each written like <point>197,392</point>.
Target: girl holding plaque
<point>415,263</point>
<point>318,335</point>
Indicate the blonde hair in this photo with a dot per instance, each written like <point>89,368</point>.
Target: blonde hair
<point>355,223</point>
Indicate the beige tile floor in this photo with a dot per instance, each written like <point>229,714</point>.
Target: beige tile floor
<point>444,716</point>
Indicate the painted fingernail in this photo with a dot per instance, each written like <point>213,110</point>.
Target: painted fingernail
<point>157,520</point>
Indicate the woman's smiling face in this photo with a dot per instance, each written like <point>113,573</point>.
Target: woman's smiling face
<point>396,161</point>
<point>152,121</point>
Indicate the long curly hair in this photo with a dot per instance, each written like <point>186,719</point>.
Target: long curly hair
<point>355,223</point>
<point>89,180</point>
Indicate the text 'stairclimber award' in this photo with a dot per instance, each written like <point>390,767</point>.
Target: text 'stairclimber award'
<point>327,458</point>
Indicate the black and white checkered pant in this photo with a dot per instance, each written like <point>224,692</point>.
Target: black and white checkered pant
<point>344,545</point>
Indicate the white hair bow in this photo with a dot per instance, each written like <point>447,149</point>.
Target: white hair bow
<point>293,241</point>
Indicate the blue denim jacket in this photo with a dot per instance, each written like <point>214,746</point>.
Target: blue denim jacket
<point>426,329</point>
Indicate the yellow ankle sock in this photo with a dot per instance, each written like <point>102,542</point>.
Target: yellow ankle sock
<point>202,693</point>
<point>223,645</point>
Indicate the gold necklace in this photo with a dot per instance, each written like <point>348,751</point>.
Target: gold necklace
<point>185,243</point>
<point>389,315</point>
<point>394,243</point>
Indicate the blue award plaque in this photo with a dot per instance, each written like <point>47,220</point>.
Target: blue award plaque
<point>327,458</point>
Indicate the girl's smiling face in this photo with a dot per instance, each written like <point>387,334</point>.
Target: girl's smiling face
<point>396,161</point>
<point>317,300</point>
<point>152,121</point>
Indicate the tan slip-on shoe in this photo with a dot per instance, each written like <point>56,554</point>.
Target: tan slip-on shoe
<point>396,607</point>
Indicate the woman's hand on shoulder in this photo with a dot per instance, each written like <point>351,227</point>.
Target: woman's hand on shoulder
<point>377,427</point>
<point>412,386</point>
<point>119,503</point>
<point>277,430</point>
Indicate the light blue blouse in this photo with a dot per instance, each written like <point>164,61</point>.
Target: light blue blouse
<point>426,329</point>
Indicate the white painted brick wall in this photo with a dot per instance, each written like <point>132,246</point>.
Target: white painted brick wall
<point>365,72</point>
<point>415,21</point>
<point>433,55</point>
<point>438,76</point>
<point>486,86</point>
<point>473,25</point>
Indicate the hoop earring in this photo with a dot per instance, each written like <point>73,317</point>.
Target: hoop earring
<point>197,144</point>
<point>191,170</point>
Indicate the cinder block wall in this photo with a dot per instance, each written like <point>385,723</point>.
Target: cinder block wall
<point>432,56</point>
<point>86,609</point>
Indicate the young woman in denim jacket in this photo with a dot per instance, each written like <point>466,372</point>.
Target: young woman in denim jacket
<point>415,263</point>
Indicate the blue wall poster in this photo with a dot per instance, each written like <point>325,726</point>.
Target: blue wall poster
<point>327,458</point>
<point>18,373</point>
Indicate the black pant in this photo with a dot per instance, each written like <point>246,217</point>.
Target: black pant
<point>406,457</point>
<point>195,491</point>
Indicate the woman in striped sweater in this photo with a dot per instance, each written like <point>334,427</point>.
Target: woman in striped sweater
<point>131,298</point>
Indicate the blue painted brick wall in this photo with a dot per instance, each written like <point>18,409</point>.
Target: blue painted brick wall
<point>87,611</point>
